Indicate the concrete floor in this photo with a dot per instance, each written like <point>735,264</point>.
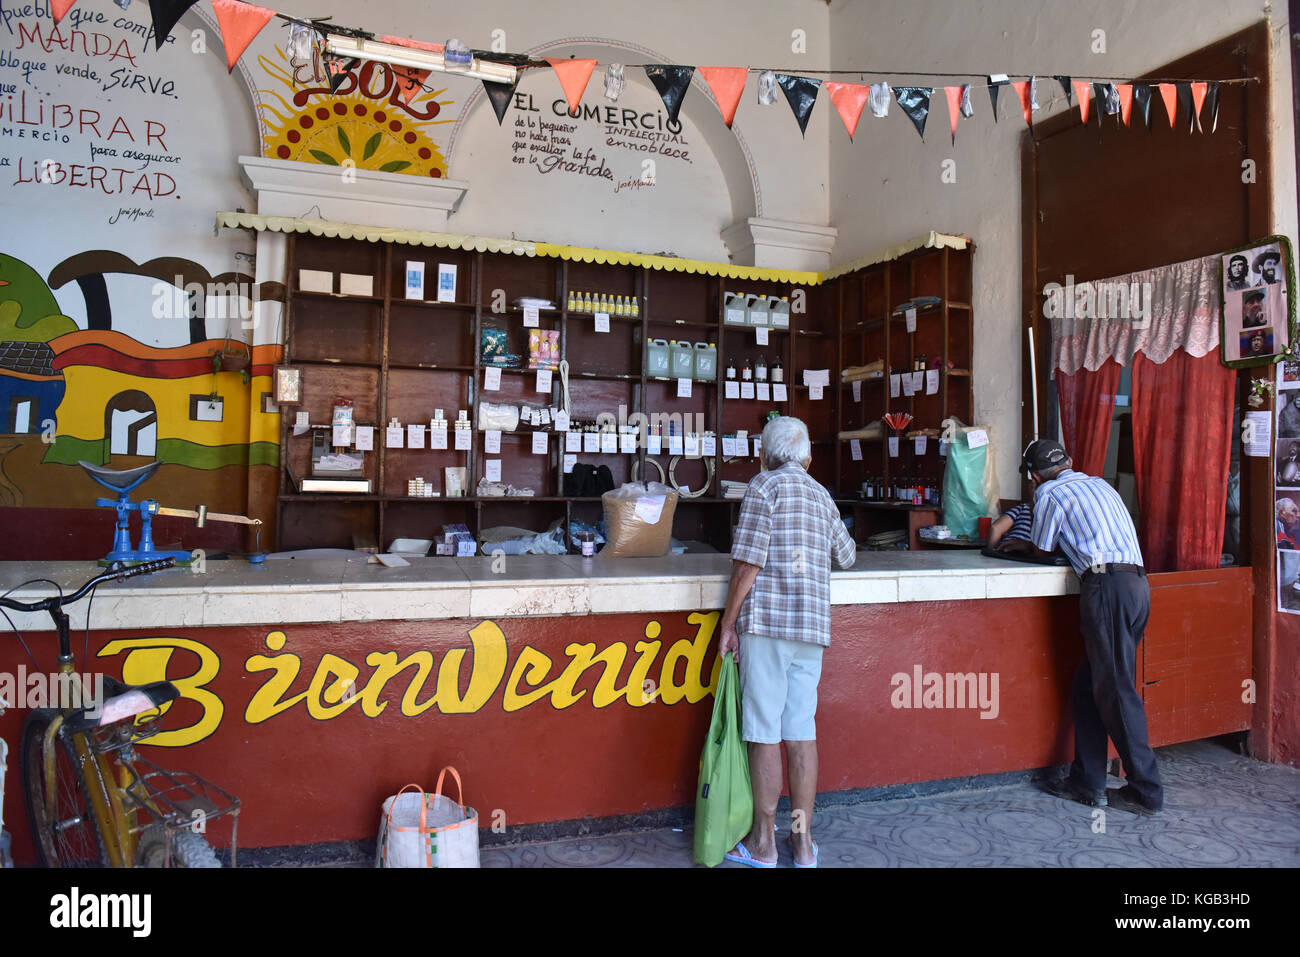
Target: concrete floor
<point>1221,810</point>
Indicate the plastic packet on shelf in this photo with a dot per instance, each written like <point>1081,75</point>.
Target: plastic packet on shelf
<point>497,418</point>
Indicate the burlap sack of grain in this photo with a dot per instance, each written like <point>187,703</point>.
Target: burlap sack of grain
<point>638,520</point>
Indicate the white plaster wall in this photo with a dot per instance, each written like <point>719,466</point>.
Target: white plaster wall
<point>886,186</point>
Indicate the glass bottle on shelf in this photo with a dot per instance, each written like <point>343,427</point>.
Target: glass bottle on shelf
<point>760,370</point>
<point>777,373</point>
<point>573,304</point>
<point>731,368</point>
<point>748,373</point>
<point>586,302</point>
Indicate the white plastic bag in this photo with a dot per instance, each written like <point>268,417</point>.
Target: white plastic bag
<point>427,830</point>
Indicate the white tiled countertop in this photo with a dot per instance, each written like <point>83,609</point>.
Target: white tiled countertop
<point>343,589</point>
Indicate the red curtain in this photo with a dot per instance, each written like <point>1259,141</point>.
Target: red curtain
<point>1087,408</point>
<point>1182,426</point>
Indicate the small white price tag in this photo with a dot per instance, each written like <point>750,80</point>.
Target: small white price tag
<point>708,446</point>
<point>365,438</point>
<point>492,379</point>
<point>815,392</point>
<point>977,438</point>
<point>931,381</point>
<point>590,442</point>
<point>732,389</point>
<point>573,442</point>
<point>569,462</point>
<point>544,380</point>
<point>530,317</point>
<point>758,446</point>
<point>918,381</point>
<point>893,446</point>
<point>920,444</point>
<point>674,445</point>
<point>683,388</point>
<point>763,391</point>
<point>856,386</point>
<point>415,436</point>
<point>692,446</point>
<point>437,438</point>
<point>747,390</point>
<point>855,449</point>
<point>602,322</point>
<point>943,449</point>
<point>343,435</point>
<point>492,441</point>
<point>394,437</point>
<point>609,443</point>
<point>894,385</point>
<point>493,473</point>
<point>540,443</point>
<point>561,421</point>
<point>728,446</point>
<point>907,384</point>
<point>463,437</point>
<point>654,444</point>
<point>627,443</point>
<point>760,335</point>
<point>909,318</point>
<point>778,392</point>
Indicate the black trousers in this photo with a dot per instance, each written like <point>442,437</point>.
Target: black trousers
<point>1113,617</point>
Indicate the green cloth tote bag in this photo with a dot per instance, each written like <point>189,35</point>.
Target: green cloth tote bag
<point>724,803</point>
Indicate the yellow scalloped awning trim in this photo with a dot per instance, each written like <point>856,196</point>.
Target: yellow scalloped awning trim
<point>374,234</point>
<point>930,240</point>
<point>673,264</point>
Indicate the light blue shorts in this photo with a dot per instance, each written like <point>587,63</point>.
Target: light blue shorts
<point>778,686</point>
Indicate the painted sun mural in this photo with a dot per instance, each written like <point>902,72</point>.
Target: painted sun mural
<point>364,120</point>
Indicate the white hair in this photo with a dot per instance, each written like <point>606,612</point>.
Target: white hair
<point>785,439</point>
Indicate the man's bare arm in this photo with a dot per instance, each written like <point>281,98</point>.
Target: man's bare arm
<point>742,580</point>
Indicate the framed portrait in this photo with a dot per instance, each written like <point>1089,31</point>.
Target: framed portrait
<point>1257,324</point>
<point>287,381</point>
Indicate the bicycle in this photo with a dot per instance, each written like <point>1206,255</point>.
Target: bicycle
<point>92,800</point>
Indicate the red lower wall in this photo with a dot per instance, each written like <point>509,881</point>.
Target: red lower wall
<point>279,727</point>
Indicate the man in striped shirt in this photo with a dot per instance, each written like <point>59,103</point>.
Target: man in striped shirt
<point>1086,518</point>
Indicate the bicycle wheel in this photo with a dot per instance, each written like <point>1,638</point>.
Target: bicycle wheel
<point>188,850</point>
<point>70,838</point>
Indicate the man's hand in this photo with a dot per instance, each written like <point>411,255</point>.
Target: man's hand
<point>729,641</point>
<point>1015,545</point>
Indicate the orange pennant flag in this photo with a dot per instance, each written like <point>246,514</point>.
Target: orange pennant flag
<point>1169,93</point>
<point>410,81</point>
<point>239,23</point>
<point>573,75</point>
<point>1198,97</point>
<point>1022,91</point>
<point>849,99</point>
<point>727,84</point>
<point>1083,90</point>
<point>1125,91</point>
<point>59,9</point>
<point>954,108</point>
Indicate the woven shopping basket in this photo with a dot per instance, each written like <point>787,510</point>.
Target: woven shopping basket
<point>419,829</point>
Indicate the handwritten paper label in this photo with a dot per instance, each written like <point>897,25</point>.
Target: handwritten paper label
<point>395,437</point>
<point>492,379</point>
<point>920,444</point>
<point>909,319</point>
<point>907,385</point>
<point>728,446</point>
<point>815,393</point>
<point>977,438</point>
<point>608,442</point>
<point>732,389</point>
<point>437,438</point>
<point>415,436</point>
<point>544,380</point>
<point>943,449</point>
<point>893,446</point>
<point>760,335</point>
<point>530,317</point>
<point>590,442</point>
<point>540,446</point>
<point>627,443</point>
<point>493,472</point>
<point>462,440</point>
<point>763,391</point>
<point>602,322</point>
<point>683,388</point>
<point>778,392</point>
<point>931,381</point>
<point>561,421</point>
<point>692,446</point>
<point>569,462</point>
<point>654,444</point>
<point>649,507</point>
<point>747,390</point>
<point>492,441</point>
<point>758,446</point>
<point>674,445</point>
<point>573,442</point>
<point>708,446</point>
<point>918,381</point>
<point>342,435</point>
<point>856,386</point>
<point>895,381</point>
<point>365,437</point>
<point>855,449</point>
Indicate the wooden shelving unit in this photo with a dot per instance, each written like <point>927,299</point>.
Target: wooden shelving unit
<point>400,358</point>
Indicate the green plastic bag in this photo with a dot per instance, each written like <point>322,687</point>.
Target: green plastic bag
<point>963,487</point>
<point>724,802</point>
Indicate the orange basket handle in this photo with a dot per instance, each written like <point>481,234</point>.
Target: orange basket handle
<point>424,805</point>
<point>460,791</point>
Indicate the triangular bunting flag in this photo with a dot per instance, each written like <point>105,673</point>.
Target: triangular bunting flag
<point>727,84</point>
<point>1185,101</point>
<point>801,93</point>
<point>239,23</point>
<point>1142,97</point>
<point>1099,94</point>
<point>410,80</point>
<point>573,75</point>
<point>879,99</point>
<point>1084,91</point>
<point>166,14</point>
<point>1125,101</point>
<point>671,82</point>
<point>337,67</point>
<point>996,81</point>
<point>966,109</point>
<point>849,99</point>
<point>915,102</point>
<point>954,108</point>
<point>1065,85</point>
<point>1198,98</point>
<point>59,9</point>
<point>500,95</point>
<point>1212,105</point>
<point>1022,91</point>
<point>1169,94</point>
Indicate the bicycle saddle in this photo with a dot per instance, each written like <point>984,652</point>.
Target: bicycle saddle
<point>122,479</point>
<point>120,702</point>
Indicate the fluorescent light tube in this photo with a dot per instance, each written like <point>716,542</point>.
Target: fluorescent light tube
<point>397,55</point>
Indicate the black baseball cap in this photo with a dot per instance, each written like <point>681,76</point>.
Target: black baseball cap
<point>1042,455</point>
<point>1254,295</point>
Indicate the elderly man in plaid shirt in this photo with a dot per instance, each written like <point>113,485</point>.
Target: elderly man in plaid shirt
<point>778,621</point>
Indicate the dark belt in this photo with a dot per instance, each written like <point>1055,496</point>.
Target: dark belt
<point>1112,567</point>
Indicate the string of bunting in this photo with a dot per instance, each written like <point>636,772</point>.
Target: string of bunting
<point>241,22</point>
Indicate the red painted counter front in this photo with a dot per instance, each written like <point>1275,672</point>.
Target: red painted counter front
<point>553,719</point>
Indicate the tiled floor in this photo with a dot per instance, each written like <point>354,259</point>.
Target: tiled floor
<point>1221,809</point>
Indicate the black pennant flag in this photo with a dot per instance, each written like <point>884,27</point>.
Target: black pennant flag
<point>671,82</point>
<point>1142,97</point>
<point>166,14</point>
<point>500,96</point>
<point>801,92</point>
<point>337,68</point>
<point>994,86</point>
<point>1069,90</point>
<point>1099,94</point>
<point>1185,104</point>
<point>915,102</point>
<point>1211,105</point>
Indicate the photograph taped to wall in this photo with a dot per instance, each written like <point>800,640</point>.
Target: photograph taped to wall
<point>1288,577</point>
<point>1288,415</point>
<point>1288,376</point>
<point>1257,317</point>
<point>1286,523</point>
<point>1288,464</point>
